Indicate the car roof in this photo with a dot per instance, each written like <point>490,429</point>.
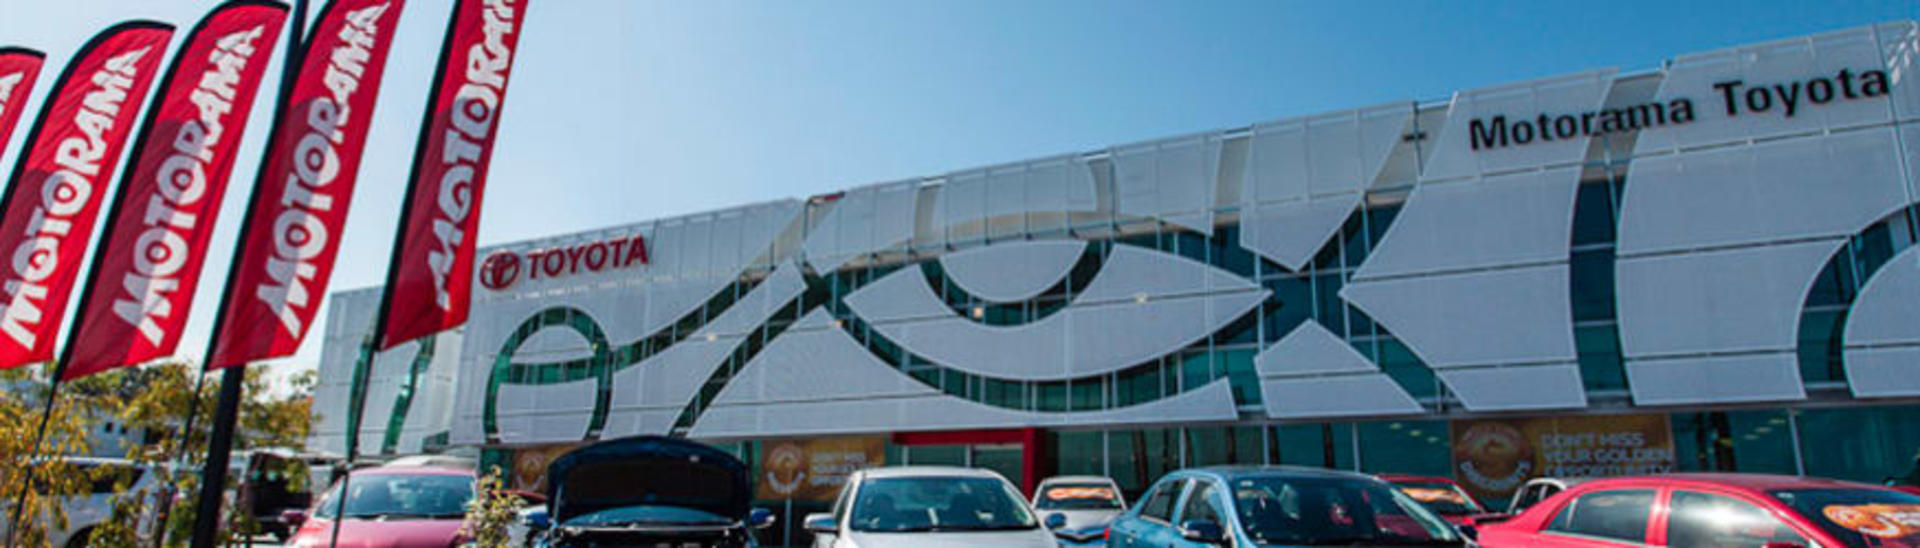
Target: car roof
<point>1077,479</point>
<point>1753,482</point>
<point>411,471</point>
<point>928,472</point>
<point>1242,471</point>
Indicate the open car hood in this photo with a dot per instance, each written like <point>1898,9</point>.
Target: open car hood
<point>647,471</point>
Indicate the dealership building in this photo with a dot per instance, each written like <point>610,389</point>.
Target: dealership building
<point>1705,266</point>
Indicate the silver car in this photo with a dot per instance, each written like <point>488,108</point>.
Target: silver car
<point>929,507</point>
<point>1088,503</point>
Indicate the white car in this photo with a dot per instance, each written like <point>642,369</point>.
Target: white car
<point>89,510</point>
<point>1089,503</point>
<point>929,507</point>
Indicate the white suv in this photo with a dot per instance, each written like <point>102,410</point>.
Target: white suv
<point>925,506</point>
<point>87,511</point>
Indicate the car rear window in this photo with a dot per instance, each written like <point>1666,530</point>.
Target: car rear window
<point>1861,518</point>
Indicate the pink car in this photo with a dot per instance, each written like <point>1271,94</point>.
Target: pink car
<point>391,507</point>
<point>1715,511</point>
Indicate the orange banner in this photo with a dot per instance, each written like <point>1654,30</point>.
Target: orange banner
<point>530,466</point>
<point>1493,457</point>
<point>814,469</point>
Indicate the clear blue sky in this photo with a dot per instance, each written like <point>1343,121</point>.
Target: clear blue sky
<point>622,111</point>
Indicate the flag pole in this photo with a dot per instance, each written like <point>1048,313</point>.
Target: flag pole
<point>213,476</point>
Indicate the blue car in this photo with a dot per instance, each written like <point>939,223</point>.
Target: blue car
<point>1277,506</point>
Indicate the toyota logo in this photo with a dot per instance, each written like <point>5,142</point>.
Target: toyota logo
<point>499,270</point>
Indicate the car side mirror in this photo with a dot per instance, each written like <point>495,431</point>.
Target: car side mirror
<point>822,524</point>
<point>760,518</point>
<point>294,518</point>
<point>1056,520</point>
<point>1203,531</point>
<point>538,519</point>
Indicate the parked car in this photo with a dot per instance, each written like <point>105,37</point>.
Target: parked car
<point>1536,490</point>
<point>929,507</point>
<point>87,511</point>
<point>1441,495</point>
<point>1089,504</point>
<point>1715,511</point>
<point>647,491</point>
<point>1277,506</point>
<point>389,507</point>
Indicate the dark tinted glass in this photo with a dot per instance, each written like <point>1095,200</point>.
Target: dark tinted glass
<point>1616,515</point>
<point>1159,504</point>
<point>1701,520</point>
<point>1201,505</point>
<point>1860,518</point>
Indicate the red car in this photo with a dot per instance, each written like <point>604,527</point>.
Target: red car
<point>391,507</point>
<point>1715,511</point>
<point>1441,495</point>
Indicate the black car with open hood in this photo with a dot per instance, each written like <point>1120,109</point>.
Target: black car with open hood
<point>646,491</point>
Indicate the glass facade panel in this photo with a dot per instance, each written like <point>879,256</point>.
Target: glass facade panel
<point>1734,441</point>
<point>1593,214</point>
<point>1599,354</point>
<point>1079,453</point>
<point>1866,444</point>
<point>1592,285</point>
<point>1322,445</point>
<point>1406,447</point>
<point>1399,363</point>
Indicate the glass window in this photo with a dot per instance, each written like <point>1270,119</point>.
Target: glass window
<point>1860,518</point>
<point>1599,352</point>
<point>1323,445</point>
<point>1241,373</point>
<point>1866,444</point>
<point>1734,441</point>
<point>1159,503</point>
<point>1399,363</point>
<point>1079,453</point>
<point>1290,305</point>
<point>1591,276</point>
<point>1406,447</point>
<point>1593,214</point>
<point>402,497</point>
<point>1079,496</point>
<point>1820,345</point>
<point>1702,520</point>
<point>1614,515</point>
<point>1201,504</point>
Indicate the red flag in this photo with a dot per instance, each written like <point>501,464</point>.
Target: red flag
<point>71,155</point>
<point>306,182</point>
<point>19,67</point>
<point>433,267</point>
<point>157,231</point>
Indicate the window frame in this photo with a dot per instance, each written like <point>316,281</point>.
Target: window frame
<point>1656,516</point>
<point>1193,489</point>
<point>1178,488</point>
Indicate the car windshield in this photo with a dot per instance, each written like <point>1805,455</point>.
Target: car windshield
<point>1441,497</point>
<point>900,505</point>
<point>1079,496</point>
<point>1332,511</point>
<point>393,497</point>
<point>1860,518</point>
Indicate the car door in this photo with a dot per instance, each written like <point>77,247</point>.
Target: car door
<point>1613,518</point>
<point>1702,519</point>
<point>1153,516</point>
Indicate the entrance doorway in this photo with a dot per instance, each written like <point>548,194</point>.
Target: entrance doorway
<point>1014,454</point>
